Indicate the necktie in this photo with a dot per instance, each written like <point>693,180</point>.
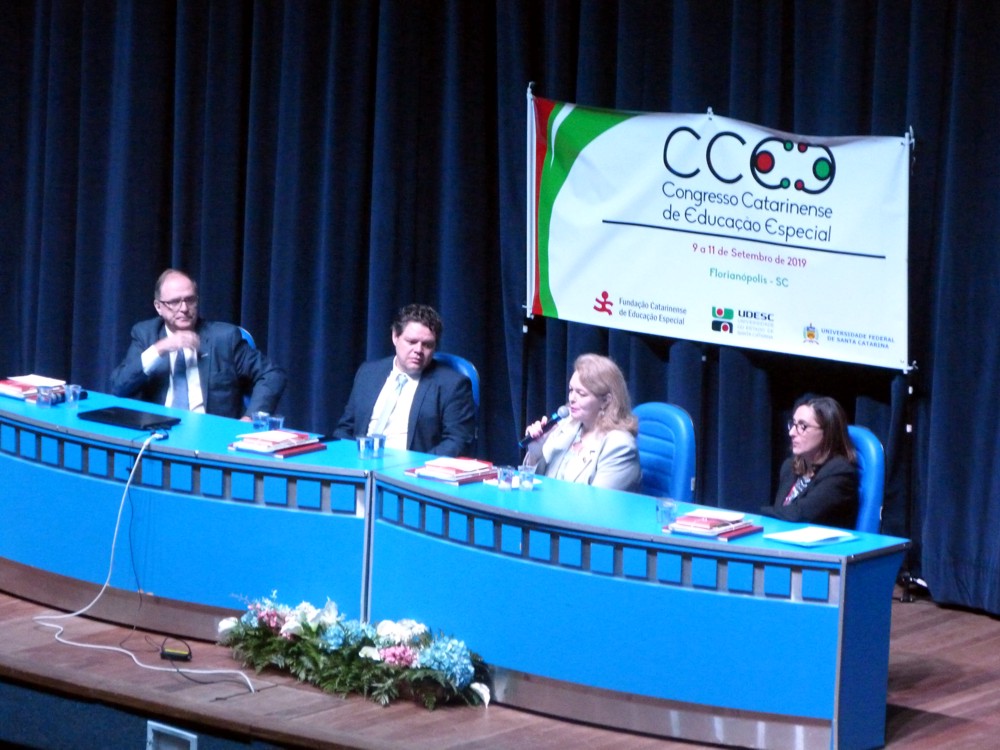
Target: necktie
<point>180,381</point>
<point>390,404</point>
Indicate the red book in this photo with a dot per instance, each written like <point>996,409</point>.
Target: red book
<point>272,441</point>
<point>708,521</point>
<point>21,386</point>
<point>16,389</point>
<point>453,479</point>
<point>295,450</point>
<point>725,536</point>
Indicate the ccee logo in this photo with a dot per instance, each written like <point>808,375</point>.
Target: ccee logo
<point>802,158</point>
<point>774,163</point>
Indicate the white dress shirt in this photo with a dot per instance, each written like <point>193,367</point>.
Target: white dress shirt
<point>397,428</point>
<point>151,360</point>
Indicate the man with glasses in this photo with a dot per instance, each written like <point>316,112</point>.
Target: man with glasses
<point>181,360</point>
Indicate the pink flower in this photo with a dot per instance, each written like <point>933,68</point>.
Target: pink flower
<point>399,656</point>
<point>269,617</point>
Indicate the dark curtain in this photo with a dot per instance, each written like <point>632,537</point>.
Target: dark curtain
<point>318,164</point>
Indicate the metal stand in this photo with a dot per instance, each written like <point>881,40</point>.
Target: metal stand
<point>907,579</point>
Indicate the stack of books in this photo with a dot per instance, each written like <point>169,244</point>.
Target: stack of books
<point>455,470</point>
<point>280,443</point>
<point>25,387</point>
<point>722,525</point>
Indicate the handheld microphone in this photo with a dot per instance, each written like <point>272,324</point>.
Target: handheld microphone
<point>561,413</point>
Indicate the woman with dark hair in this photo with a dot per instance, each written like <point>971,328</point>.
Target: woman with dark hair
<point>819,482</point>
<point>595,444</point>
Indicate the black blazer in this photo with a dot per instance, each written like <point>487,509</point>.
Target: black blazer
<point>831,498</point>
<point>442,417</point>
<point>227,366</point>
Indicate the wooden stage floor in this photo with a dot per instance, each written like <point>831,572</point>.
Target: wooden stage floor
<point>944,691</point>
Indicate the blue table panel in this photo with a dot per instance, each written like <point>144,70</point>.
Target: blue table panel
<point>637,637</point>
<point>199,524</point>
<point>752,627</point>
<point>192,549</point>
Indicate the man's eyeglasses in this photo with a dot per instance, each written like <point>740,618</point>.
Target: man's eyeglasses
<point>801,427</point>
<point>175,304</point>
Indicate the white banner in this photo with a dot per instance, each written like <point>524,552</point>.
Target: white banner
<point>710,229</point>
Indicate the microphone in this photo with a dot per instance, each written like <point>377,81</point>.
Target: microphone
<point>561,413</point>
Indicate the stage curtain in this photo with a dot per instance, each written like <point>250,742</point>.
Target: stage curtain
<point>317,164</point>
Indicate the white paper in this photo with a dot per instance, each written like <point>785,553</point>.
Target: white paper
<point>458,464</point>
<point>811,535</point>
<point>36,380</point>
<point>272,436</point>
<point>730,516</point>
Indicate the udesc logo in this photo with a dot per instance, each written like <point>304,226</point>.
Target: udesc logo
<point>722,319</point>
<point>753,323</point>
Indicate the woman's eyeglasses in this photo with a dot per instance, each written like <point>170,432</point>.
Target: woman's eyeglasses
<point>801,427</point>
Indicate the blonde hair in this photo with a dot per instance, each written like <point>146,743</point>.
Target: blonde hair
<point>602,377</point>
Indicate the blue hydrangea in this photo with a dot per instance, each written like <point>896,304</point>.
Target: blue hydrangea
<point>450,656</point>
<point>358,631</point>
<point>347,633</point>
<point>249,619</point>
<point>333,638</point>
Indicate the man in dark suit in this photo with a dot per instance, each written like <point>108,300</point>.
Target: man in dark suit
<point>185,362</point>
<point>415,402</point>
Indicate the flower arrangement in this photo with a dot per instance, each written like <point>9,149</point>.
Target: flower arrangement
<point>382,662</point>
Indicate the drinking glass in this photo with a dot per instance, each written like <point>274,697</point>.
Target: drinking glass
<point>43,396</point>
<point>505,477</point>
<point>73,392</point>
<point>666,512</point>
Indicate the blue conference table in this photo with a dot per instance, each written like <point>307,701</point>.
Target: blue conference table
<point>589,611</point>
<point>575,597</point>
<point>200,524</point>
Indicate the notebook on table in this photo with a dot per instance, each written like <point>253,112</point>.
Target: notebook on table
<point>133,419</point>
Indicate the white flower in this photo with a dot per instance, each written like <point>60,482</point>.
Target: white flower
<point>482,690</point>
<point>305,612</point>
<point>370,652</point>
<point>403,631</point>
<point>295,618</point>
<point>389,631</point>
<point>226,625</point>
<point>327,616</point>
<point>413,628</point>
